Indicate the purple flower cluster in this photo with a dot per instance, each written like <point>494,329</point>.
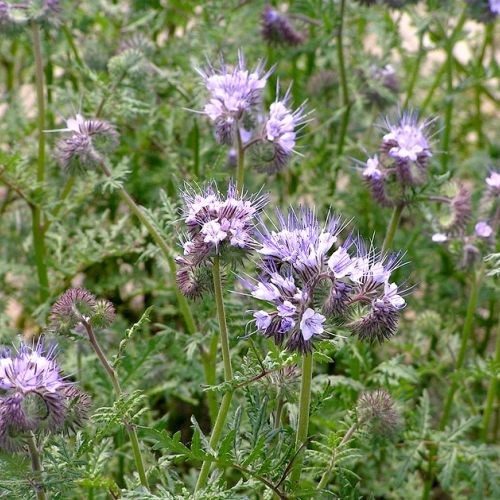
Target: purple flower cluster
<point>307,279</point>
<point>89,141</point>
<point>35,397</point>
<point>217,224</point>
<point>232,106</point>
<point>277,29</point>
<point>405,151</point>
<point>487,218</point>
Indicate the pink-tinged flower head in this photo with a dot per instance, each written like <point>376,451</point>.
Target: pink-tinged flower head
<point>281,129</point>
<point>34,395</point>
<point>88,143</point>
<point>493,182</point>
<point>217,224</point>
<point>232,93</point>
<point>483,229</point>
<point>372,169</point>
<point>408,140</point>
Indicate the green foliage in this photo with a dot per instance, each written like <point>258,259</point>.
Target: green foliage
<point>131,63</point>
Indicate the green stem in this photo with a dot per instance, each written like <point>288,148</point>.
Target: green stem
<point>38,237</point>
<point>162,244</point>
<point>393,225</point>
<point>326,475</point>
<point>209,360</point>
<point>116,386</point>
<point>228,373</point>
<point>303,422</point>
<point>429,480</point>
<point>72,45</point>
<point>434,86</point>
<point>343,82</point>
<point>65,193</point>
<point>448,111</point>
<point>416,69</point>
<point>467,329</point>
<point>36,465</point>
<point>492,390</point>
<point>279,410</point>
<point>241,161</point>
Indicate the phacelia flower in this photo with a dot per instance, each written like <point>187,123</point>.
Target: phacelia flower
<point>405,151</point>
<point>233,93</point>
<point>86,147</point>
<point>281,129</point>
<point>77,306</point>
<point>277,29</point>
<point>493,182</point>
<point>377,410</point>
<point>407,140</point>
<point>307,279</point>
<point>494,6</point>
<point>217,224</point>
<point>34,396</point>
<point>483,229</point>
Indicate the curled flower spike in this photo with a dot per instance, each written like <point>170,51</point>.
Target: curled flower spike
<point>77,306</point>
<point>89,142</point>
<point>407,141</point>
<point>233,93</point>
<point>308,280</point>
<point>277,29</point>
<point>377,410</point>
<point>405,151</point>
<point>281,129</point>
<point>35,397</point>
<point>217,224</point>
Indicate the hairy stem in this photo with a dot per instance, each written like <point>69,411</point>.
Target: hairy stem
<point>38,236</point>
<point>36,465</point>
<point>228,373</point>
<point>303,422</point>
<point>393,225</point>
<point>492,390</point>
<point>116,386</point>
<point>448,110</point>
<point>241,161</point>
<point>162,244</point>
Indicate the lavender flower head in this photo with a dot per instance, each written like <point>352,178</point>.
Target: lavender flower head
<point>493,182</point>
<point>307,279</point>
<point>405,151</point>
<point>34,396</point>
<point>484,11</point>
<point>86,147</point>
<point>233,93</point>
<point>281,129</point>
<point>217,224</point>
<point>407,141</point>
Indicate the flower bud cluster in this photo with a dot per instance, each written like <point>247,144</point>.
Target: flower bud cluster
<point>35,397</point>
<point>216,224</point>
<point>405,151</point>
<point>232,106</point>
<point>307,280</point>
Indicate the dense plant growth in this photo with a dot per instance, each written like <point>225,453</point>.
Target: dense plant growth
<point>249,249</point>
